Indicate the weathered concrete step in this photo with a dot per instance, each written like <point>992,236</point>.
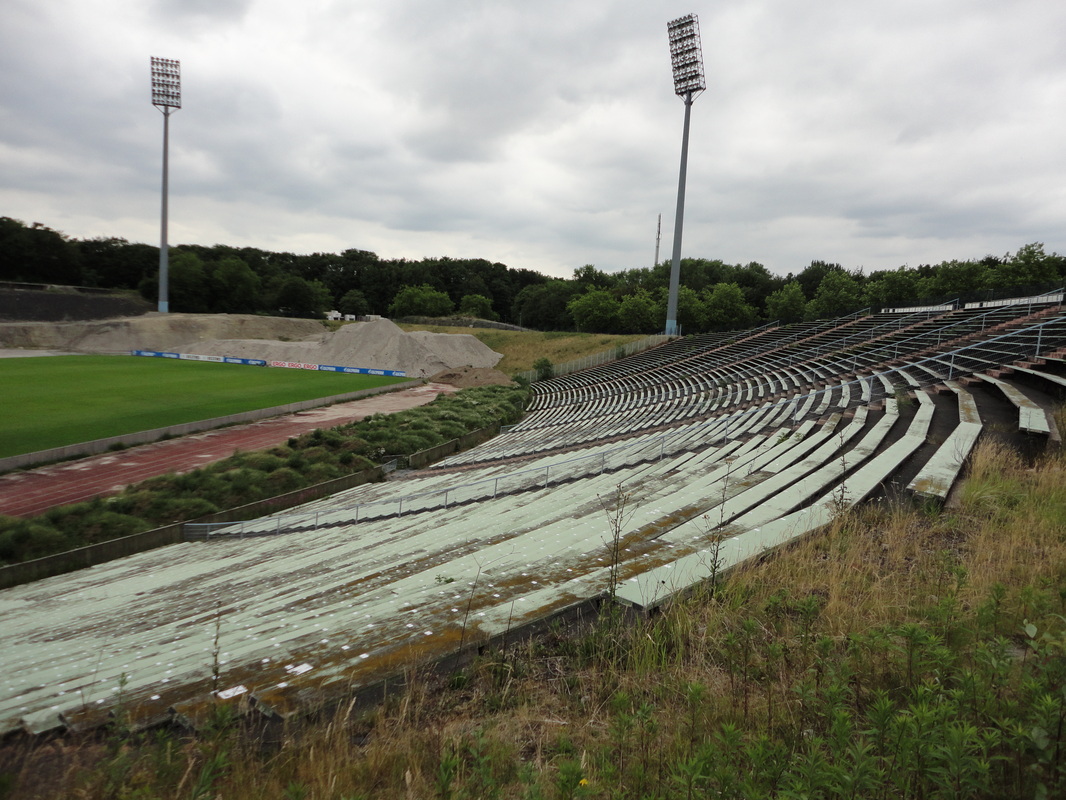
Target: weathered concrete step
<point>758,531</point>
<point>1032,418</point>
<point>940,472</point>
<point>1047,376</point>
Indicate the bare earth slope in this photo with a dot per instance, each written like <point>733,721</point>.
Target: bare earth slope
<point>378,345</point>
<point>151,332</point>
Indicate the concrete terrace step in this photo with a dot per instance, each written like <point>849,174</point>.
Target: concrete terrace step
<point>759,530</point>
<point>1046,376</point>
<point>1031,417</point>
<point>940,472</point>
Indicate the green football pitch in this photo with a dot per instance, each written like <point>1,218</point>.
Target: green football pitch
<point>60,400</point>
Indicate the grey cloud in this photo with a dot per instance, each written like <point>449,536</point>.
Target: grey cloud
<point>852,131</point>
<point>201,11</point>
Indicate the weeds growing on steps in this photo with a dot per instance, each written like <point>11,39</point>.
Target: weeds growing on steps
<point>896,655</point>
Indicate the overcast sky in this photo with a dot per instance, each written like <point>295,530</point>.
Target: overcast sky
<point>546,135</point>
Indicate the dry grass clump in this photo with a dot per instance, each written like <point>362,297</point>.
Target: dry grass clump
<point>901,653</point>
<point>521,348</point>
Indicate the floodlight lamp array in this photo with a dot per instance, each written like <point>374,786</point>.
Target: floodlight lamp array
<point>166,82</point>
<point>686,55</point>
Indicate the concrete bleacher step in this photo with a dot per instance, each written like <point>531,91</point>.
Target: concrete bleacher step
<point>760,530</point>
<point>940,472</point>
<point>1058,380</point>
<point>1032,418</point>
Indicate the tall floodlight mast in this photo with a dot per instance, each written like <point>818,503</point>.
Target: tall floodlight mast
<point>686,57</point>
<point>166,96</point>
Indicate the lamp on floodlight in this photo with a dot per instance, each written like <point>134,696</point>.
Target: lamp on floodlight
<point>166,96</point>
<point>686,58</point>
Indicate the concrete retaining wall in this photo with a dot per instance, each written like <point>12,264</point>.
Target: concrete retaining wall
<point>98,446</point>
<point>425,457</point>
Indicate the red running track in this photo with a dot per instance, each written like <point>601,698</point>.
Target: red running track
<point>25,494</point>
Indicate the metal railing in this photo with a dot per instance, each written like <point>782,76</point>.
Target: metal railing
<point>1028,302</point>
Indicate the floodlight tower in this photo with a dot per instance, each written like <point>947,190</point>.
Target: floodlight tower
<point>686,58</point>
<point>166,96</point>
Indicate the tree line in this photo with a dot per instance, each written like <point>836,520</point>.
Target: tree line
<point>713,295</point>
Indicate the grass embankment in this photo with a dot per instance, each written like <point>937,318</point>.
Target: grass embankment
<point>900,654</point>
<point>521,348</point>
<point>63,400</point>
<point>247,477</point>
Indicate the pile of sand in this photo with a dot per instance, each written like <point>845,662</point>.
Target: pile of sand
<point>380,344</point>
<point>373,345</point>
<point>151,332</point>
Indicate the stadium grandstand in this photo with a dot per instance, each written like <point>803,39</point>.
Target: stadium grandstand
<point>626,483</point>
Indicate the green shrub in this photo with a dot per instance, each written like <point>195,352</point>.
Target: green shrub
<point>544,367</point>
<point>29,539</point>
<point>315,455</point>
<point>284,480</point>
<point>264,461</point>
<point>103,525</point>
<point>321,472</point>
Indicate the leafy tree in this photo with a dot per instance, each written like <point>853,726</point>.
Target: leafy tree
<point>630,280</point>
<point>691,313</point>
<point>37,254</point>
<point>298,297</point>
<point>787,303</point>
<point>726,307</point>
<point>1030,267</point>
<point>355,303</point>
<point>545,306</point>
<point>478,306</point>
<point>116,263</point>
<point>348,272</point>
<point>595,311</point>
<point>838,293</point>
<point>898,287</point>
<point>379,281</point>
<point>236,287</point>
<point>187,287</point>
<point>755,281</point>
<point>589,277</point>
<point>420,301</point>
<point>950,279</point>
<point>812,276</point>
<point>639,313</point>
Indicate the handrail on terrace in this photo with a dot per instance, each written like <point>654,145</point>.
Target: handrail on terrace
<point>1018,301</point>
<point>896,324</point>
<point>746,333</point>
<point>203,530</point>
<point>947,305</point>
<point>770,324</point>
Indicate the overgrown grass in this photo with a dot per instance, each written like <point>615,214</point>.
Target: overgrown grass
<point>61,400</point>
<point>521,348</point>
<point>311,458</point>
<point>900,654</point>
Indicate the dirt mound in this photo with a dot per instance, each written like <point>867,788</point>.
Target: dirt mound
<point>378,345</point>
<point>374,345</point>
<point>152,331</point>
<point>467,377</point>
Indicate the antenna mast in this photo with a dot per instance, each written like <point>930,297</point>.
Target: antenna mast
<point>658,238</point>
